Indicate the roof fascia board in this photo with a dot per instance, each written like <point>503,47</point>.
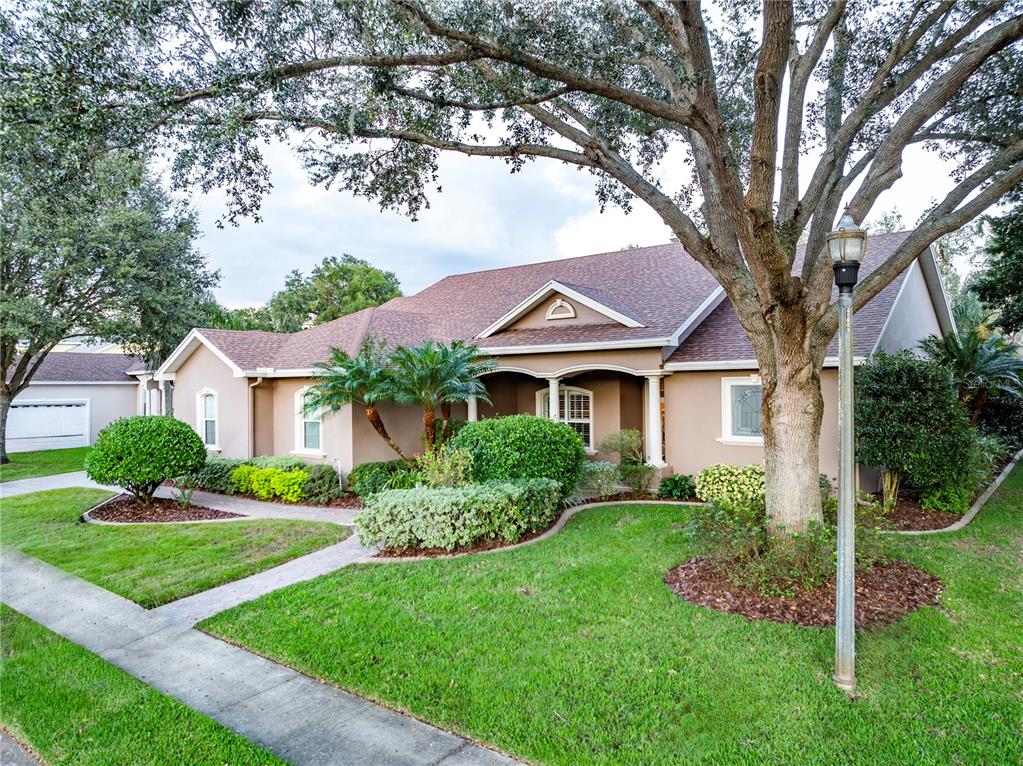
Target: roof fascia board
<point>738,364</point>
<point>83,383</point>
<point>185,349</point>
<point>715,299</point>
<point>936,289</point>
<point>548,289</point>
<point>593,346</point>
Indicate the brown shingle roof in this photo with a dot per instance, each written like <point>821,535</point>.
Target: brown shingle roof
<point>659,286</point>
<point>86,367</point>
<point>720,337</point>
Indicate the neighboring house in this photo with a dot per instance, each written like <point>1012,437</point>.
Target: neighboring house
<point>73,395</point>
<point>86,344</point>
<point>642,338</point>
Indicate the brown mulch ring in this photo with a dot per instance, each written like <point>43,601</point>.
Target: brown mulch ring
<point>348,501</point>
<point>908,516</point>
<point>622,496</point>
<point>882,595</point>
<point>123,509</point>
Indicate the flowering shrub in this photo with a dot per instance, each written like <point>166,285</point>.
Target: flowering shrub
<point>449,517</point>
<point>597,478</point>
<point>731,484</point>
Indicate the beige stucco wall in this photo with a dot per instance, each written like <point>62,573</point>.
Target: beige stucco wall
<point>537,317</point>
<point>912,318</point>
<point>693,423</point>
<point>107,401</point>
<point>204,370</point>
<point>638,360</point>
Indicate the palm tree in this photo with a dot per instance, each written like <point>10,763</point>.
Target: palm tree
<point>981,363</point>
<point>361,380</point>
<point>435,375</point>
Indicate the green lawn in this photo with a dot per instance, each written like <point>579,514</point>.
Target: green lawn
<point>47,462</point>
<point>573,651</point>
<point>152,564</point>
<point>74,708</point>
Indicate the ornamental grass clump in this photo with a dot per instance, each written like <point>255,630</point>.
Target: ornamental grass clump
<point>142,452</point>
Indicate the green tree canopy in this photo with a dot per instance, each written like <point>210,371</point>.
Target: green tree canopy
<point>107,254</point>
<point>1000,282</point>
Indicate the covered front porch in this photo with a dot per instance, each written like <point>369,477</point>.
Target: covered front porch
<point>595,400</point>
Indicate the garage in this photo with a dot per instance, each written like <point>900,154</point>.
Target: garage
<point>47,424</point>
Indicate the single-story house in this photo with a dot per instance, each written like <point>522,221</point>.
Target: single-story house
<point>641,338</point>
<point>73,395</point>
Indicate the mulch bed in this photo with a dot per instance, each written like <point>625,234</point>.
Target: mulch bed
<point>621,496</point>
<point>124,509</point>
<point>882,595</point>
<point>348,501</point>
<point>908,516</point>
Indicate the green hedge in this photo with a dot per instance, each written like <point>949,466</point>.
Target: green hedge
<point>141,452</point>
<point>369,478</point>
<point>449,517</point>
<point>523,447</point>
<point>271,483</point>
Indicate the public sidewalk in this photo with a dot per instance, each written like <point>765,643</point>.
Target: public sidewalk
<point>300,719</point>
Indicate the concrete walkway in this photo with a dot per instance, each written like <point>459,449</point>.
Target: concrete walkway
<point>243,505</point>
<point>192,609</point>
<point>13,754</point>
<point>296,717</point>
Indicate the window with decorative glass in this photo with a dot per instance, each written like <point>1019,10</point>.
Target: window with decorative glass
<point>741,409</point>
<point>575,408</point>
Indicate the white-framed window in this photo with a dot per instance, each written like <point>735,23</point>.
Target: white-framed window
<point>308,426</point>
<point>575,407</point>
<point>207,407</point>
<point>740,410</point>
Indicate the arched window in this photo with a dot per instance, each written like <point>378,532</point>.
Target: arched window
<point>207,418</point>
<point>575,407</point>
<point>740,410</point>
<point>308,425</point>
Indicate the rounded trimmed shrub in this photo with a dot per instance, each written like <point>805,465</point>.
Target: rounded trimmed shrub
<point>523,447</point>
<point>732,485</point>
<point>141,452</point>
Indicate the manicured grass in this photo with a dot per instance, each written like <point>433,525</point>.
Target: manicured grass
<point>152,564</point>
<point>72,707</point>
<point>573,651</point>
<point>47,462</point>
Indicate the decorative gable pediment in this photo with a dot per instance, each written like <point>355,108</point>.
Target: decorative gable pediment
<point>559,303</point>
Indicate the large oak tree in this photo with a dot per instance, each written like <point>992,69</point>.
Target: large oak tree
<point>779,114</point>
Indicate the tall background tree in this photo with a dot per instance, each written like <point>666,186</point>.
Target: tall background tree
<point>110,258</point>
<point>777,116</point>
<point>1000,281</point>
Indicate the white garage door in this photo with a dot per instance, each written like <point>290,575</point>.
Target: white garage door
<point>47,425</point>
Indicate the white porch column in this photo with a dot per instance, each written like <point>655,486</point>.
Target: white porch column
<point>654,435</point>
<point>554,389</point>
<point>472,408</point>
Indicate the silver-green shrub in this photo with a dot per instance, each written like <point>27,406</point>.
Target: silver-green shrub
<point>732,485</point>
<point>450,517</point>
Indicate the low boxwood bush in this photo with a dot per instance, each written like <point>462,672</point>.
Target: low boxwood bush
<point>270,483</point>
<point>289,486</point>
<point>215,475</point>
<point>323,485</point>
<point>677,487</point>
<point>141,452</point>
<point>523,447</point>
<point>449,517</point>
<point>732,485</point>
<point>597,478</point>
<point>369,478</point>
<point>242,477</point>
<point>637,476</point>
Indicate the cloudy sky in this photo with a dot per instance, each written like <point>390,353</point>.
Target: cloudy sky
<point>484,218</point>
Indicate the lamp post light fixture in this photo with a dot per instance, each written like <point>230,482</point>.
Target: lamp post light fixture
<point>847,245</point>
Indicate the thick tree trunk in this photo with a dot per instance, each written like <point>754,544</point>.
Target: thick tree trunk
<point>791,420</point>
<point>373,415</point>
<point>5,408</point>
<point>445,421</point>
